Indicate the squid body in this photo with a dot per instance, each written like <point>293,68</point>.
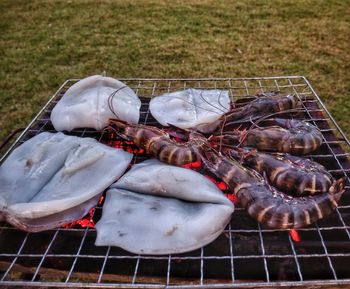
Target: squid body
<point>90,102</point>
<point>191,108</point>
<point>161,209</point>
<point>53,179</point>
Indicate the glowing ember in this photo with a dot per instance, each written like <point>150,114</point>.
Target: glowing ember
<point>113,141</point>
<point>128,146</point>
<point>100,201</point>
<point>295,235</point>
<point>193,165</point>
<point>221,185</point>
<point>86,222</point>
<point>232,197</point>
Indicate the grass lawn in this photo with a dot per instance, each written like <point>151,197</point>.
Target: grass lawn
<point>42,43</point>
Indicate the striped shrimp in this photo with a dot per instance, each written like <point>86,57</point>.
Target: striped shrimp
<point>158,142</point>
<point>264,104</point>
<point>291,174</point>
<point>267,205</point>
<point>278,135</point>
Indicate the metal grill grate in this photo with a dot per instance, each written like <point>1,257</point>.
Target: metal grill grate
<point>245,255</point>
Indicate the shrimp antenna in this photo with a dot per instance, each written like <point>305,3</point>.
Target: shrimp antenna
<point>261,118</point>
<point>240,114</point>
<point>109,128</point>
<point>221,132</point>
<point>222,109</point>
<point>195,105</point>
<point>110,100</point>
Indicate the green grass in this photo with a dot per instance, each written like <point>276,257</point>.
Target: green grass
<point>42,43</point>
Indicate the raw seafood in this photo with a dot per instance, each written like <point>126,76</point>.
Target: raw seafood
<point>158,143</point>
<point>92,101</point>
<point>156,178</point>
<point>292,136</point>
<point>160,209</point>
<point>290,174</point>
<point>53,179</point>
<point>191,108</point>
<point>263,105</point>
<point>267,205</point>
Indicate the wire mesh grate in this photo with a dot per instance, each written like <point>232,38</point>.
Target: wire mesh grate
<point>244,255</point>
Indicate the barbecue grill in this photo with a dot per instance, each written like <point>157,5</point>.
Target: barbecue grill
<point>245,254</point>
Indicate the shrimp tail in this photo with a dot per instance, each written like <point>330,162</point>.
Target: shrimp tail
<point>337,188</point>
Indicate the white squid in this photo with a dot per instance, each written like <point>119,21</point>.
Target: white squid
<point>90,102</point>
<point>161,209</point>
<point>54,179</point>
<point>191,108</point>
